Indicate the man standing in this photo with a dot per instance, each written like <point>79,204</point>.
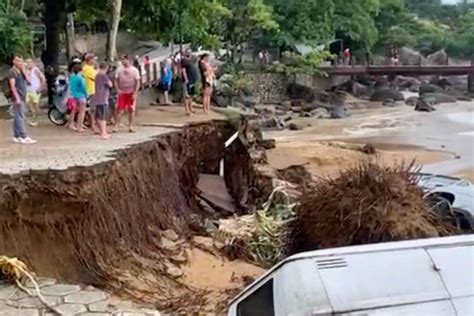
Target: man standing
<point>89,73</point>
<point>189,82</point>
<point>127,83</point>
<point>37,83</point>
<point>17,84</point>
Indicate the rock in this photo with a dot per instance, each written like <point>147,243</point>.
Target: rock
<point>438,58</point>
<point>220,100</point>
<point>308,107</point>
<point>338,112</point>
<point>285,106</point>
<point>294,127</point>
<point>280,112</point>
<point>409,56</point>
<point>268,144</point>
<point>406,82</point>
<point>429,88</point>
<point>301,92</point>
<point>439,98</point>
<point>179,258</point>
<point>380,95</point>
<point>172,270</point>
<point>209,226</point>
<point>296,109</point>
<point>411,101</point>
<point>321,113</point>
<point>443,82</point>
<point>414,89</point>
<point>464,98</point>
<point>249,101</point>
<point>389,103</point>
<point>306,114</point>
<point>423,106</point>
<point>359,89</point>
<point>169,245</point>
<point>381,82</point>
<point>170,235</point>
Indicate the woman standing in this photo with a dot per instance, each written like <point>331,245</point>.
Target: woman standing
<point>78,89</point>
<point>207,78</point>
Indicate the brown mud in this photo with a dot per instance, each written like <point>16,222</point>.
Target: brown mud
<point>107,225</point>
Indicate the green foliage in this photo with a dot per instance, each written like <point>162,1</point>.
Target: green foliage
<point>309,21</point>
<point>15,35</point>
<point>462,43</point>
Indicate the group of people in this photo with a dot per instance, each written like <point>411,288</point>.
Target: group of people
<point>93,84</point>
<point>183,67</point>
<point>107,93</point>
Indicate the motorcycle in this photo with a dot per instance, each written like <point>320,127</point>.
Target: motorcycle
<point>59,112</point>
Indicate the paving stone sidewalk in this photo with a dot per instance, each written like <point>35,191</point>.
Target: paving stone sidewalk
<point>66,299</point>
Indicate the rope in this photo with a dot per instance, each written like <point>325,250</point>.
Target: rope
<point>13,269</point>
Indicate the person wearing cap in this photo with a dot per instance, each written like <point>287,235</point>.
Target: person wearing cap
<point>127,83</point>
<point>89,72</point>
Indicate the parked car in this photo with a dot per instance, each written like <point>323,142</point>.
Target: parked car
<point>457,193</point>
<point>418,277</point>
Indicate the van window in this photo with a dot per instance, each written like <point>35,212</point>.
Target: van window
<point>259,303</point>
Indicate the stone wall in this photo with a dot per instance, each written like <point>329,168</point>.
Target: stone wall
<point>270,87</point>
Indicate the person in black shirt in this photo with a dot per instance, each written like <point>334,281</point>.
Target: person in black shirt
<point>189,82</point>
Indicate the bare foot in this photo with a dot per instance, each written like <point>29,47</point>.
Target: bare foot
<point>72,128</point>
<point>80,130</point>
<point>106,136</point>
<point>132,130</point>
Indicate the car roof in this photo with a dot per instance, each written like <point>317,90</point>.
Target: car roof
<point>359,258</point>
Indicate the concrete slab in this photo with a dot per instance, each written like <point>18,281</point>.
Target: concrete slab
<point>214,191</point>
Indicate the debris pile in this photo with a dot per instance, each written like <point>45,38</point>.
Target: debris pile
<point>365,204</point>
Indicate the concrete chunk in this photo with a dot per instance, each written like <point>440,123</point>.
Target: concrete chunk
<point>71,309</point>
<point>60,290</point>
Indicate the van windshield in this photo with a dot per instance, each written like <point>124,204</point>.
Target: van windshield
<point>259,303</point>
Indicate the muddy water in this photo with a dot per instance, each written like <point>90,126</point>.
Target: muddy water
<point>450,129</point>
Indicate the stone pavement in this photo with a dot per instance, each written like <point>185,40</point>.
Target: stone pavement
<point>66,299</point>
<point>59,148</point>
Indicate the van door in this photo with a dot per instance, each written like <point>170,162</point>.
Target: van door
<point>455,265</point>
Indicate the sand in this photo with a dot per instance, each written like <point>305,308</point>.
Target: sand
<point>329,158</point>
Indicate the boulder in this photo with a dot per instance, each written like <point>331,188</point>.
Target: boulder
<point>411,57</point>
<point>429,88</point>
<point>321,113</point>
<point>389,103</point>
<point>380,95</point>
<point>294,127</point>
<point>464,98</point>
<point>381,82</point>
<point>249,101</point>
<point>301,92</point>
<point>338,112</point>
<point>359,89</point>
<point>308,107</point>
<point>438,58</point>
<point>220,100</point>
<point>406,82</point>
<point>440,82</point>
<point>296,109</point>
<point>439,98</point>
<point>284,106</point>
<point>414,89</point>
<point>411,101</point>
<point>423,106</point>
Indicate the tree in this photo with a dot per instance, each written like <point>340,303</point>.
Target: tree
<point>304,21</point>
<point>356,20</point>
<point>15,35</point>
<point>116,6</point>
<point>243,19</point>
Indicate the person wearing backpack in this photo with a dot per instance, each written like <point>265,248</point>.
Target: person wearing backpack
<point>17,81</point>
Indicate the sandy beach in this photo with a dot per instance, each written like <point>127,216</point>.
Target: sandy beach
<point>439,142</point>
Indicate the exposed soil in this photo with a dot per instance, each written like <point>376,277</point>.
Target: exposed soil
<point>105,225</point>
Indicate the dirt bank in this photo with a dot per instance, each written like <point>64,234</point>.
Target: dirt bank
<point>106,225</point>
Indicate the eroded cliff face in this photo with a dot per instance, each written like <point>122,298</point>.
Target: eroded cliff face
<point>83,224</point>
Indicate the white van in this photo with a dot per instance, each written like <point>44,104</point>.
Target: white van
<point>419,277</point>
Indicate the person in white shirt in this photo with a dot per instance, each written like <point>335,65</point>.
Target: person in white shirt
<point>36,84</point>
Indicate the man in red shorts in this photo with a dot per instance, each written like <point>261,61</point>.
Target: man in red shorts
<point>127,82</point>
